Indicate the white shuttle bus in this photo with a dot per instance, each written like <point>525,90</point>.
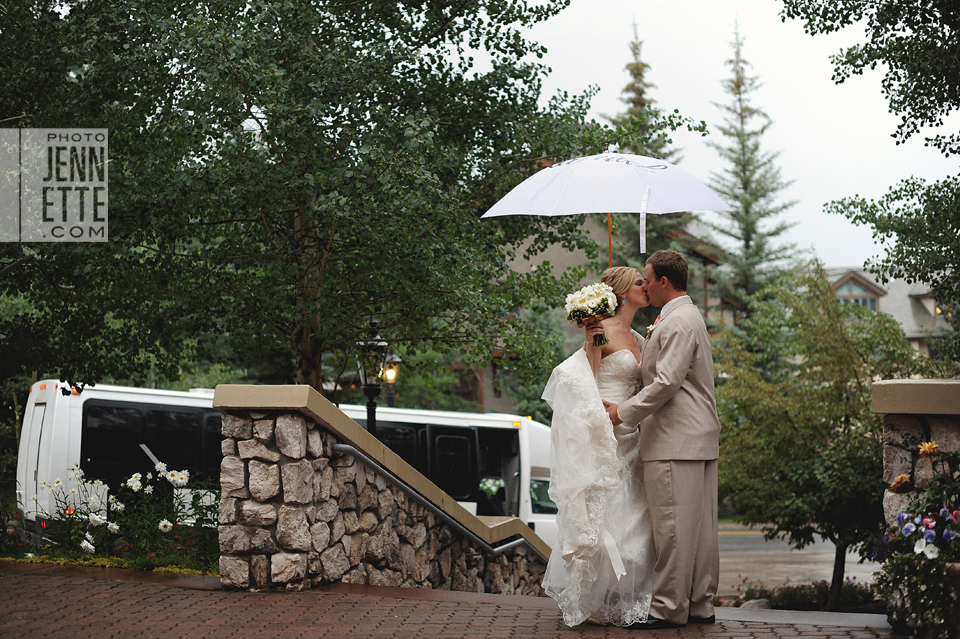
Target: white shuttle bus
<point>101,429</point>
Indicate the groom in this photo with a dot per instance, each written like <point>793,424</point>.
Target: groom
<point>676,414</point>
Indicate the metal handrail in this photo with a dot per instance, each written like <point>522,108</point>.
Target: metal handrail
<point>444,517</point>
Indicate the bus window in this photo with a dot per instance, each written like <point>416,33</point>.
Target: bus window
<point>174,437</point>
<point>402,440</point>
<point>540,501</point>
<point>110,442</point>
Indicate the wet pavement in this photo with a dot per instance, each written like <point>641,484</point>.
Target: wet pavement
<point>744,554</point>
<point>44,600</point>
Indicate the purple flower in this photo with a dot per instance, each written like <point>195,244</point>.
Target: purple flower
<point>902,518</point>
<point>949,535</point>
<point>944,512</point>
<point>918,520</point>
<point>930,536</point>
<point>908,529</point>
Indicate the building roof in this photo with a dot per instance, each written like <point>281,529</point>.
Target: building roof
<point>903,300</point>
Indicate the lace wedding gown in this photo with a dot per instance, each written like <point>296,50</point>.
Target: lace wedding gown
<point>603,564</point>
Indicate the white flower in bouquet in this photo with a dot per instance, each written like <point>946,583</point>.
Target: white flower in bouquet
<point>165,526</point>
<point>591,304</point>
<point>112,527</point>
<point>86,546</point>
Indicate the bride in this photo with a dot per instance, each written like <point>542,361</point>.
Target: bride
<point>602,567</point>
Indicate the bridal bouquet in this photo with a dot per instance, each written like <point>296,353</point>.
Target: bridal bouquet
<point>591,304</point>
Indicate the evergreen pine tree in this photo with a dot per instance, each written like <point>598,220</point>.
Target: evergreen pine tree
<point>666,231</point>
<point>750,185</point>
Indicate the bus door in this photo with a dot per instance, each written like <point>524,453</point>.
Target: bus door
<point>452,462</point>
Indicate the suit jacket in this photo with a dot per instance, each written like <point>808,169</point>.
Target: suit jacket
<point>676,411</point>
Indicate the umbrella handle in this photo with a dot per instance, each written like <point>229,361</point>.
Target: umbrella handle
<point>610,238</point>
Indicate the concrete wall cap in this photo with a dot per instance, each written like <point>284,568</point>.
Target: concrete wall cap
<point>917,397</point>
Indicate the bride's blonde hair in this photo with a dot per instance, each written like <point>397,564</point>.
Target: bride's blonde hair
<point>620,279</point>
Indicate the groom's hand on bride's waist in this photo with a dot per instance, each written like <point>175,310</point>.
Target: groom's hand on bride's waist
<point>612,412</point>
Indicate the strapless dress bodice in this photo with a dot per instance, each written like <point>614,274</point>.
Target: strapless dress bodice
<point>618,376</point>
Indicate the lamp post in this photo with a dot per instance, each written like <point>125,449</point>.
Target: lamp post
<point>371,364</point>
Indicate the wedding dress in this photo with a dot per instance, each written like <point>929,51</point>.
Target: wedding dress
<point>602,566</point>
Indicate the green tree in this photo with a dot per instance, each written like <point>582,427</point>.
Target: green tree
<point>282,173</point>
<point>801,448</point>
<point>751,185</point>
<point>916,44</point>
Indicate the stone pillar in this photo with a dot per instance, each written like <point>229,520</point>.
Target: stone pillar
<point>915,411</point>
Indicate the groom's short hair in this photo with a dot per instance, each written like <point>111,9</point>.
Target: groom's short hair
<point>672,265</point>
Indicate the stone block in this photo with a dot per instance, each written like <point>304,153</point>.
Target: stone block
<point>360,480</point>
<point>293,532</point>
<point>896,462</point>
<point>894,503</point>
<point>356,576</point>
<point>234,572</point>
<point>946,432</point>
<point>445,561</point>
<point>389,578</point>
<point>259,571</point>
<point>337,528</point>
<point>385,504</point>
<point>252,449</point>
<point>903,431</point>
<point>228,447</point>
<point>379,482</point>
<point>253,513</point>
<point>320,534</point>
<point>233,478</point>
<point>287,567</point>
<point>263,429</point>
<point>350,522</point>
<point>923,473</point>
<point>322,483</point>
<point>368,522</point>
<point>408,560</point>
<point>421,571</point>
<point>327,510</point>
<point>348,497</point>
<point>297,482</point>
<point>264,480</point>
<point>234,540</point>
<point>335,562</point>
<point>291,435</point>
<point>263,542</point>
<point>383,547</point>
<point>368,498</point>
<point>314,443</point>
<point>358,547</point>
<point>236,427</point>
<point>228,510</point>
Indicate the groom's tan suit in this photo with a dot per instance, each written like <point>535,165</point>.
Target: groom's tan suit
<point>676,414</point>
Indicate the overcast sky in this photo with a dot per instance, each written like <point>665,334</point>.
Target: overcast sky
<point>834,139</point>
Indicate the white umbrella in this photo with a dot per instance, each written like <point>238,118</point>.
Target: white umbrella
<point>609,183</point>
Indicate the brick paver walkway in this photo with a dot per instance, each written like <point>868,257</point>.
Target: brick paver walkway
<point>65,605</point>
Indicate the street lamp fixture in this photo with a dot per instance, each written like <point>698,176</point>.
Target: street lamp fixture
<point>391,369</point>
<point>372,365</point>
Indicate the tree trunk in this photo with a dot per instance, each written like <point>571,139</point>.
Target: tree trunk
<point>839,565</point>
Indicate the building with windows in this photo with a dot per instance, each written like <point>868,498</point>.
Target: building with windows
<point>910,304</point>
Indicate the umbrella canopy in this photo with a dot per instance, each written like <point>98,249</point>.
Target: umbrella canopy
<point>609,183</point>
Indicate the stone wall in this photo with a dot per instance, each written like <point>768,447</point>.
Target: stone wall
<point>915,411</point>
<point>296,514</point>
